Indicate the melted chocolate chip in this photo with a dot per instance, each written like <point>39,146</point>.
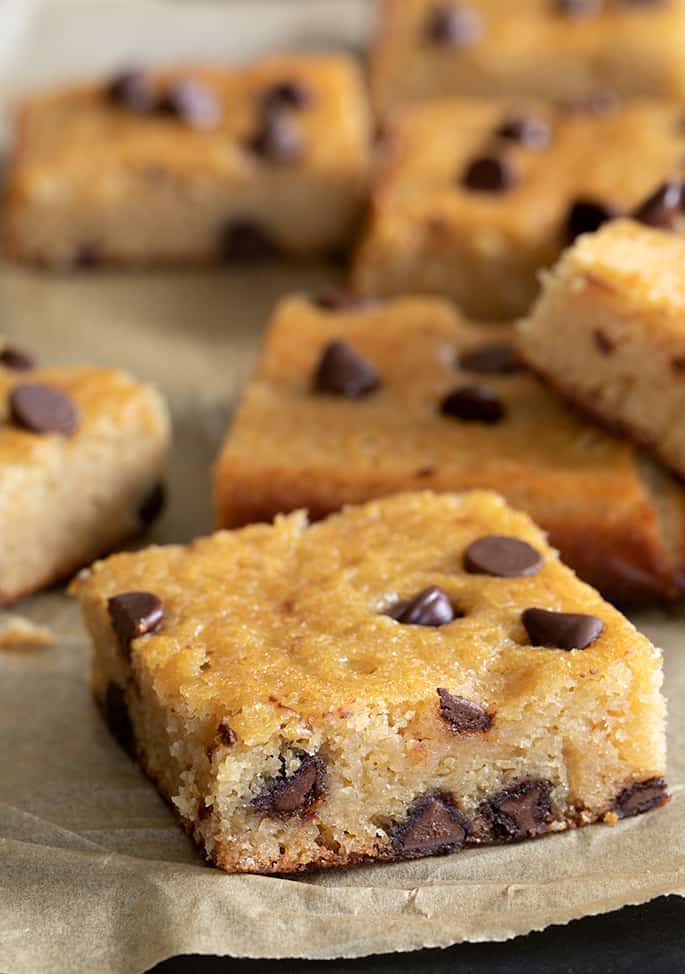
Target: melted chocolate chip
<point>561,630</point>
<point>464,716</point>
<point>432,607</point>
<point>641,797</point>
<point>334,299</point>
<point>118,720</point>
<point>344,372</point>
<point>526,130</point>
<point>519,812</point>
<point>498,358</point>
<point>152,505</point>
<point>41,409</point>
<point>279,138</point>
<point>502,557</point>
<point>454,25</point>
<point>134,614</point>
<point>663,208</point>
<point>578,8</point>
<point>244,242</point>
<point>192,102</point>
<point>587,216</point>
<point>286,94</point>
<point>488,174</point>
<point>16,360</point>
<point>603,342</point>
<point>433,826</point>
<point>294,795</point>
<point>133,89</point>
<point>473,404</point>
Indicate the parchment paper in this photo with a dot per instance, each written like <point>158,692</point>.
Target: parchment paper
<point>95,876</point>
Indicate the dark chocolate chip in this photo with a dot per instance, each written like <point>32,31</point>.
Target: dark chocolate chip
<point>243,241</point>
<point>286,94</point>
<point>118,720</point>
<point>498,358</point>
<point>640,797</point>
<point>133,89</point>
<point>429,471</point>
<point>279,138</point>
<point>663,208</point>
<point>578,8</point>
<point>488,174</point>
<point>432,607</point>
<point>226,735</point>
<point>603,342</point>
<point>16,360</point>
<point>192,102</point>
<point>433,826</point>
<point>473,404</point>
<point>502,557</point>
<point>41,409</point>
<point>561,630</point>
<point>152,505</point>
<point>344,372</point>
<point>334,299</point>
<point>454,25</point>
<point>519,812</point>
<point>134,614</point>
<point>283,796</point>
<point>464,716</point>
<point>586,216</point>
<point>526,130</point>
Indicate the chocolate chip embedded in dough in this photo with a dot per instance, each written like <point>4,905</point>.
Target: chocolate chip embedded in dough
<point>561,630</point>
<point>244,241</point>
<point>519,812</point>
<point>641,797</point>
<point>502,557</point>
<point>432,607</point>
<point>663,209</point>
<point>42,409</point>
<point>454,25</point>
<point>192,102</point>
<point>294,795</point>
<point>117,718</point>
<point>488,174</point>
<point>134,614</point>
<point>16,360</point>
<point>279,138</point>
<point>473,404</point>
<point>587,216</point>
<point>433,826</point>
<point>342,371</point>
<point>464,716</point>
<point>133,89</point>
<point>286,94</point>
<point>528,130</point>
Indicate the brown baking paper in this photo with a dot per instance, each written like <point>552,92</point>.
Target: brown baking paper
<point>95,876</point>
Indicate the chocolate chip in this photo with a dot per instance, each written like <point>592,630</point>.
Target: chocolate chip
<point>87,257</point>
<point>294,795</point>
<point>678,364</point>
<point>502,557</point>
<point>464,716</point>
<point>243,241</point>
<point>432,607</point>
<point>41,409</point>
<point>193,103</point>
<point>152,505</point>
<point>587,216</point>
<point>663,208</point>
<point>344,372</point>
<point>134,614</point>
<point>133,89</point>
<point>286,94</point>
<point>16,360</point>
<point>226,735</point>
<point>603,342</point>
<point>433,826</point>
<point>334,299</point>
<point>473,404</point>
<point>279,138</point>
<point>526,130</point>
<point>640,797</point>
<point>118,720</point>
<point>519,812</point>
<point>497,358</point>
<point>561,630</point>
<point>578,8</point>
<point>488,174</point>
<point>454,25</point>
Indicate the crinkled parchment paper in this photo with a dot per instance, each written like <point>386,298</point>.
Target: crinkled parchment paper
<point>95,876</point>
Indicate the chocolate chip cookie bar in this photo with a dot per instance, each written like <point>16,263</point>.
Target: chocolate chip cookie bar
<point>566,49</point>
<point>82,452</point>
<point>353,400</point>
<point>404,679</point>
<point>192,164</point>
<point>609,333</point>
<point>475,196</point>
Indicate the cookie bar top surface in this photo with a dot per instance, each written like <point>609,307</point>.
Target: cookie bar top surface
<point>78,128</point>
<point>291,616</point>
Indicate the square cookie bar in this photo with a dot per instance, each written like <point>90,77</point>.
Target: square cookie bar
<point>475,196</point>
<point>565,49</point>
<point>82,454</point>
<point>352,403</point>
<point>404,679</point>
<point>609,333</point>
<point>192,164</point>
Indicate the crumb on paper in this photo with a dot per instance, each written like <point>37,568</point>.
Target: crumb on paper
<point>16,632</point>
<point>611,818</point>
